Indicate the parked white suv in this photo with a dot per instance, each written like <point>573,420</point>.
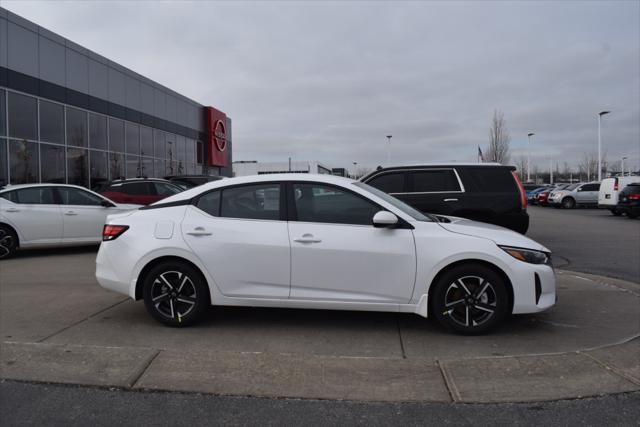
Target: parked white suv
<point>608,195</point>
<point>584,194</point>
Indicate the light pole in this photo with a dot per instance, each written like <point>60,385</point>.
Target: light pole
<point>529,135</point>
<point>389,149</point>
<point>622,167</point>
<point>355,173</point>
<point>600,114</point>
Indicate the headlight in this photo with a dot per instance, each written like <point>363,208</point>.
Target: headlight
<point>527,255</point>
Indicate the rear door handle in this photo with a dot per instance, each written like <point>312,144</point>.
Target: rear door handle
<point>199,231</point>
<point>450,200</point>
<point>70,213</point>
<point>12,210</point>
<point>307,238</point>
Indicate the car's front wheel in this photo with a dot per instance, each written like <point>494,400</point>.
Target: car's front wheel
<point>470,299</point>
<point>175,294</point>
<point>568,203</point>
<point>8,242</point>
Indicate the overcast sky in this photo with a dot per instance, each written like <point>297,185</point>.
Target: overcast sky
<point>327,81</point>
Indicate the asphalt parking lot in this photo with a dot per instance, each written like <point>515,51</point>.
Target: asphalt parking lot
<point>589,240</point>
<point>57,325</point>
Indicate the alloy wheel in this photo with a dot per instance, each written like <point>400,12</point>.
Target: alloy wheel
<point>470,301</point>
<point>173,294</point>
<point>7,243</point>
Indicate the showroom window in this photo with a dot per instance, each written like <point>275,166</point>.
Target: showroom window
<point>4,167</point>
<point>76,127</point>
<point>23,116</point>
<point>133,167</point>
<point>171,147</point>
<point>116,166</point>
<point>199,152</point>
<point>210,203</point>
<point>180,148</point>
<point>3,113</point>
<point>159,141</point>
<point>252,202</point>
<point>75,196</point>
<point>159,168</point>
<point>146,167</point>
<point>77,166</point>
<point>132,133</point>
<point>98,169</point>
<point>97,131</point>
<point>116,135</point>
<point>321,203</point>
<point>23,160</point>
<point>51,122</point>
<point>52,165</point>
<point>146,141</point>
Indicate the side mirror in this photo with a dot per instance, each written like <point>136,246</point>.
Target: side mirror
<point>384,219</point>
<point>107,204</point>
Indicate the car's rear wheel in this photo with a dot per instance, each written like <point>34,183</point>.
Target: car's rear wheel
<point>615,212</point>
<point>8,242</point>
<point>175,294</point>
<point>568,203</point>
<point>470,299</point>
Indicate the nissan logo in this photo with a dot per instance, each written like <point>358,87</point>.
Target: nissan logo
<point>220,135</point>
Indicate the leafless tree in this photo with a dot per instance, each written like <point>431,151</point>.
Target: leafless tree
<point>588,166</point>
<point>521,166</point>
<point>499,139</point>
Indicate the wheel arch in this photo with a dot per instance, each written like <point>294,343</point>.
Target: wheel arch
<point>444,270</point>
<point>156,261</point>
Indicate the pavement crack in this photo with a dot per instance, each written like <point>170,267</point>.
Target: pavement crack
<point>612,369</point>
<point>404,354</point>
<point>136,377</point>
<point>80,321</point>
<point>454,393</point>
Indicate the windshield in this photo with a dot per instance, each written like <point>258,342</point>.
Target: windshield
<point>572,187</point>
<point>417,215</point>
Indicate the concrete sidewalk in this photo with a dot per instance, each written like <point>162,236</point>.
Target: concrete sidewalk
<point>58,326</point>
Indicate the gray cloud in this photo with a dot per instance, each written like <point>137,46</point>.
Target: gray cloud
<point>327,81</point>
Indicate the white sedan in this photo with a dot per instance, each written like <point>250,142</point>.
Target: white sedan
<point>321,242</point>
<point>41,215</point>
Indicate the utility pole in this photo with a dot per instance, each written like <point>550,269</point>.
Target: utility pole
<point>622,166</point>
<point>529,135</point>
<point>600,114</point>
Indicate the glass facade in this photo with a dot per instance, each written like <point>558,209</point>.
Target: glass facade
<point>45,141</point>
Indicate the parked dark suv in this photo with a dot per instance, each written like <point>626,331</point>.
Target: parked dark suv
<point>141,191</point>
<point>483,192</point>
<point>629,200</point>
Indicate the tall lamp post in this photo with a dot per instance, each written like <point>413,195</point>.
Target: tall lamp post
<point>622,166</point>
<point>600,114</point>
<point>529,135</point>
<point>389,149</point>
<point>355,173</point>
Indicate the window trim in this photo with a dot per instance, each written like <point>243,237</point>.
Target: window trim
<point>407,177</point>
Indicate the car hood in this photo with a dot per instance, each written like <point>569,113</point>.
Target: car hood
<point>499,235</point>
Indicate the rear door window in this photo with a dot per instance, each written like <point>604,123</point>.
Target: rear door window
<point>137,188</point>
<point>164,189</point>
<point>75,196</point>
<point>488,180</point>
<point>436,180</point>
<point>392,182</point>
<point>210,203</point>
<point>260,201</point>
<point>35,196</point>
<point>590,187</point>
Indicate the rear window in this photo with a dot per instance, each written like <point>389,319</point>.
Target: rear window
<point>631,189</point>
<point>392,182</point>
<point>137,188</point>
<point>488,180</point>
<point>437,180</point>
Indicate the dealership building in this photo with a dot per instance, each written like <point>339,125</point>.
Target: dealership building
<point>69,115</point>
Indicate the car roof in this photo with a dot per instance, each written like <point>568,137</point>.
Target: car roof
<point>438,165</point>
<point>43,184</point>
<point>257,179</point>
<point>137,179</point>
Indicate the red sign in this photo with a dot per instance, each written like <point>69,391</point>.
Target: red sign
<point>216,137</point>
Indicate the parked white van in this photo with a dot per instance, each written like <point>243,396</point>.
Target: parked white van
<point>609,189</point>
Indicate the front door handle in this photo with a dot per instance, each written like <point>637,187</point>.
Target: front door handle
<point>450,200</point>
<point>198,231</point>
<point>70,213</point>
<point>307,238</point>
<point>12,210</point>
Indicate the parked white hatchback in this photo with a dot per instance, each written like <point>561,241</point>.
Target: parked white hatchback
<point>322,242</point>
<point>41,215</point>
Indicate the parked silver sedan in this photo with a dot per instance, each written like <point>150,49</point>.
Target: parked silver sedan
<point>581,194</point>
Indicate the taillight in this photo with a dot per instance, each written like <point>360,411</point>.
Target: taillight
<point>615,185</point>
<point>634,196</point>
<point>523,195</point>
<point>112,232</point>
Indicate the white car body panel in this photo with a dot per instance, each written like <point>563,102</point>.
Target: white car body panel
<point>608,195</point>
<point>35,224</point>
<point>348,270</point>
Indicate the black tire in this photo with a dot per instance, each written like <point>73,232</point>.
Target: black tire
<point>616,212</point>
<point>632,215</point>
<point>568,203</point>
<point>175,294</point>
<point>8,242</point>
<point>451,302</point>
